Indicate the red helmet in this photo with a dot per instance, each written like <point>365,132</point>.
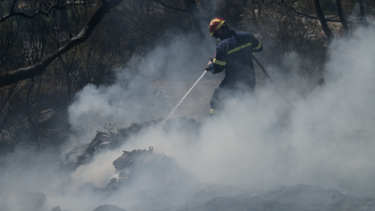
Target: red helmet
<point>216,24</point>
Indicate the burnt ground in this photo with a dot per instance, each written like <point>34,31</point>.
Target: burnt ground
<point>168,190</point>
<point>294,198</point>
<point>165,185</point>
<point>84,153</point>
<point>159,183</point>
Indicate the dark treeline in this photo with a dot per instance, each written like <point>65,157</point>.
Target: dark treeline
<point>51,49</point>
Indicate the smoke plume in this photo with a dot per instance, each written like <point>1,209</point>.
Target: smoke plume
<point>259,142</point>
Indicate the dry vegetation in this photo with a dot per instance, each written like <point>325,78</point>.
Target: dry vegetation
<point>131,28</point>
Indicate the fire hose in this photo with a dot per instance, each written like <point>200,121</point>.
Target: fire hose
<point>269,78</point>
<point>260,65</point>
<point>183,98</point>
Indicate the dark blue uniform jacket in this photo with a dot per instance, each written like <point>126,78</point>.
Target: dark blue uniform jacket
<point>234,54</point>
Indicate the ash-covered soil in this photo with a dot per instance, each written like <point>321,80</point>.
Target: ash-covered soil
<point>168,189</point>
<point>289,198</point>
<point>145,180</point>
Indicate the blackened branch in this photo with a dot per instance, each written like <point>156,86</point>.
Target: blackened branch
<point>40,11</point>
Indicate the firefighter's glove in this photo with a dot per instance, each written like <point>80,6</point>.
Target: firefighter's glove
<point>209,62</point>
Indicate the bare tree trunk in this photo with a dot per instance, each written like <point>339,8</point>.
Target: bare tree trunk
<point>198,19</point>
<point>341,17</point>
<point>323,21</point>
<point>39,68</point>
<point>64,24</point>
<point>255,18</point>
<point>362,13</point>
<point>361,10</point>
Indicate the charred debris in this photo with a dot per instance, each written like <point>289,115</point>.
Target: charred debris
<point>160,181</point>
<point>84,154</point>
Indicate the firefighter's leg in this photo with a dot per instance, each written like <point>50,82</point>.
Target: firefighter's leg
<point>216,102</point>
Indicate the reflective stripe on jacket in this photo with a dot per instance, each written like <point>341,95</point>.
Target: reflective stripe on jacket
<point>234,54</point>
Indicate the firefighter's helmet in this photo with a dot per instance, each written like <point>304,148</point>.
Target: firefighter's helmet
<point>216,24</point>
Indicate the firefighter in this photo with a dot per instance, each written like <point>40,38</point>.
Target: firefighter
<point>234,55</point>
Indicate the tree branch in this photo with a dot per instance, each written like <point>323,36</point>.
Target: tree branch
<point>341,16</point>
<point>323,21</point>
<point>303,14</point>
<point>197,18</point>
<point>136,24</point>
<point>169,7</point>
<point>40,68</point>
<point>40,11</point>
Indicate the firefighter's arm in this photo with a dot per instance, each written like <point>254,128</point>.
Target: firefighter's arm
<point>209,63</point>
<point>257,46</point>
<point>217,64</point>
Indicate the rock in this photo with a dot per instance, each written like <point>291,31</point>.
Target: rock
<point>133,158</point>
<point>108,208</point>
<point>105,141</point>
<point>69,160</point>
<point>56,208</point>
<point>146,167</point>
<point>83,154</point>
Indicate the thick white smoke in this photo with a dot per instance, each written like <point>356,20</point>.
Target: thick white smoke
<point>260,141</point>
<point>146,89</point>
